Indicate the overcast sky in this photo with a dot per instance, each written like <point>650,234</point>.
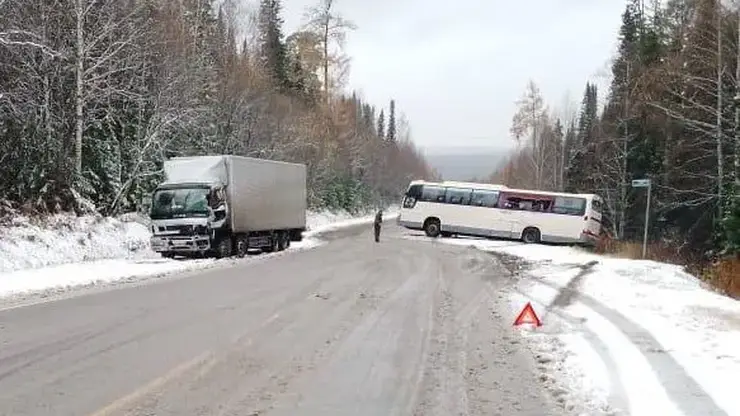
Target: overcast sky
<point>456,67</point>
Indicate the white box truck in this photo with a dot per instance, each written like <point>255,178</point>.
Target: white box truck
<point>225,205</point>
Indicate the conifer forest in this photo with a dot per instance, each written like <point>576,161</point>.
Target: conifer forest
<point>671,115</point>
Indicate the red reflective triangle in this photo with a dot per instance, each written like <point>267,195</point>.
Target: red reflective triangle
<point>527,316</point>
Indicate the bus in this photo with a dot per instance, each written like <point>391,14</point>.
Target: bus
<point>488,210</point>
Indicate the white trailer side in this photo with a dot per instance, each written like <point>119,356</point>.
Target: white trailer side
<point>266,194</point>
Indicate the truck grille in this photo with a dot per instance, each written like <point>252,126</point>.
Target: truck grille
<point>180,229</point>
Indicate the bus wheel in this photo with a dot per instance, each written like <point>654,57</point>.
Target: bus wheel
<point>432,228</point>
<point>531,235</point>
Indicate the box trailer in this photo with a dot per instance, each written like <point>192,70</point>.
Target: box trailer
<point>226,205</point>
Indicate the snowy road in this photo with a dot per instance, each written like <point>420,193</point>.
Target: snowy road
<point>350,327</point>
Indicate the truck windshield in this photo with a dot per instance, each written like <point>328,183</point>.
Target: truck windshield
<point>179,203</point>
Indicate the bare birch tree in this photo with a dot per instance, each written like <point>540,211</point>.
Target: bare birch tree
<point>104,35</point>
<point>330,26</point>
<point>531,120</point>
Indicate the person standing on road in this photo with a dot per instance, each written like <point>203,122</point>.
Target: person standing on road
<point>377,223</point>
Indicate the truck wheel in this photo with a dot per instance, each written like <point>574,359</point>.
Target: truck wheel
<point>296,235</point>
<point>274,241</point>
<point>167,255</point>
<point>282,241</point>
<point>223,248</point>
<point>242,246</point>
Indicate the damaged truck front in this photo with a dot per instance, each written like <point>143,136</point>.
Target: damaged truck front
<point>225,205</point>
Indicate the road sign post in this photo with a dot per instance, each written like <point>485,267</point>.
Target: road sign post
<point>645,183</point>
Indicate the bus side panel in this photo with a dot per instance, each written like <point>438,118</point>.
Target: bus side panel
<point>458,219</point>
<point>413,218</point>
<point>520,220</point>
<point>561,228</point>
<point>569,230</point>
<point>554,228</point>
<point>454,218</point>
<point>488,222</point>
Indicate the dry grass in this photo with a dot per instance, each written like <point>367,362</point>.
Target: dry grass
<point>633,250</point>
<point>723,274</point>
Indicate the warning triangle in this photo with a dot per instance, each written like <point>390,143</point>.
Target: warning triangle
<point>527,316</point>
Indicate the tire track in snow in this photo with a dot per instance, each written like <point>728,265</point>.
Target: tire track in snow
<point>664,366</point>
<point>618,399</point>
<point>681,386</point>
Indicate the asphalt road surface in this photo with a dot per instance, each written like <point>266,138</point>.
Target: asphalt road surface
<point>350,328</point>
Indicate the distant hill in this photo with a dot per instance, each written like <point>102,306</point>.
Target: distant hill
<point>465,163</point>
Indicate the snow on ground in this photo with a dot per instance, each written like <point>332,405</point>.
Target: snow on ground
<point>326,221</point>
<point>65,251</point>
<point>624,336</point>
<point>65,239</point>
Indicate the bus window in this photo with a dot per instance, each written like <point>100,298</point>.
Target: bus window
<point>414,191</point>
<point>569,206</point>
<point>542,205</point>
<point>432,194</point>
<point>458,196</point>
<point>412,195</point>
<point>527,203</point>
<point>483,198</point>
<point>596,205</point>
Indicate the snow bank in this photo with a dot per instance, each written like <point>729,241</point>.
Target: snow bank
<point>630,336</point>
<point>68,239</point>
<point>66,251</point>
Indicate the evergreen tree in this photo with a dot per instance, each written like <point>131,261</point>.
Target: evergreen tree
<point>272,49</point>
<point>381,125</point>
<point>569,143</point>
<point>368,114</point>
<point>583,158</point>
<point>587,119</point>
<point>391,134</point>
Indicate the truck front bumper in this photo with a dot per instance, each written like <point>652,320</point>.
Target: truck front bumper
<point>180,244</point>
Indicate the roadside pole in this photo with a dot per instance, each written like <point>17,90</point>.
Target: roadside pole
<point>645,183</point>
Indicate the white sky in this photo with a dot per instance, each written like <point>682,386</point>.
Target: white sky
<point>455,68</point>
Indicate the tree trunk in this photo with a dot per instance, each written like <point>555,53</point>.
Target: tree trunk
<point>561,174</point>
<point>79,93</point>
<point>536,147</point>
<point>622,215</point>
<point>326,55</point>
<point>736,170</point>
<point>720,156</point>
<point>327,24</point>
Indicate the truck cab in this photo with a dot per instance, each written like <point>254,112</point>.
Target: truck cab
<point>187,218</point>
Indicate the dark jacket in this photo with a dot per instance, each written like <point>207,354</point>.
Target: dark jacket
<point>378,219</point>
